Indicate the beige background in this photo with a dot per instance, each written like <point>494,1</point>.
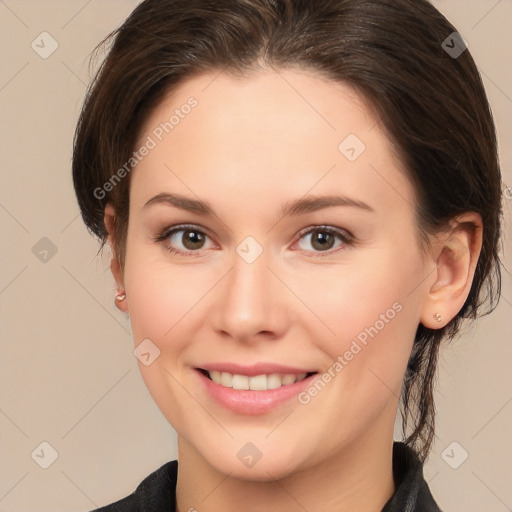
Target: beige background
<point>68,376</point>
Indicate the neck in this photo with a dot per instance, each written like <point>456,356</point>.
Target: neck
<point>358,477</point>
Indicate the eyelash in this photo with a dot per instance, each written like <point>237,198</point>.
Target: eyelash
<point>346,238</point>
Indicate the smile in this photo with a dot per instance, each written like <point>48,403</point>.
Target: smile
<point>255,383</point>
<point>253,390</point>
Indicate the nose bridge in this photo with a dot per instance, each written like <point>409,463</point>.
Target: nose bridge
<point>249,303</point>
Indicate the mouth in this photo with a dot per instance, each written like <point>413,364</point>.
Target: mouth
<point>253,390</point>
<point>262,382</point>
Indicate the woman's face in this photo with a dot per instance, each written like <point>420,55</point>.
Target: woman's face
<point>299,254</point>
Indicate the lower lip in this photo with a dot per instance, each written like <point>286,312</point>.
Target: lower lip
<point>251,402</point>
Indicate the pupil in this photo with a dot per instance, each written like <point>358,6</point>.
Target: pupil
<point>193,238</point>
<point>322,239</point>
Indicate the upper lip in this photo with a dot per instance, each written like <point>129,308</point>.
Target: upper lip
<point>254,369</point>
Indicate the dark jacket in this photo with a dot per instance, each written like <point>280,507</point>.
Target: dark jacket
<point>157,492</point>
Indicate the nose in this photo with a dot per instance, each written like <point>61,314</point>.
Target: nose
<point>250,302</point>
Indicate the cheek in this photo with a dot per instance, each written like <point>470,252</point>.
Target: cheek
<point>160,294</point>
<point>353,297</point>
<point>160,302</point>
<point>372,310</point>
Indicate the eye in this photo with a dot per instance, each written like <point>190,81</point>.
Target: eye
<point>323,238</point>
<point>188,239</point>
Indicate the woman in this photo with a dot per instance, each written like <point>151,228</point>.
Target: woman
<point>303,201</point>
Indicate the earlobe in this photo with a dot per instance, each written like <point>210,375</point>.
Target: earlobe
<point>457,254</point>
<point>115,267</point>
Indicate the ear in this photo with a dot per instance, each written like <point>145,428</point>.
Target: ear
<point>109,219</point>
<point>456,253</point>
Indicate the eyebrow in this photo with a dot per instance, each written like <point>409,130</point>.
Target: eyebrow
<point>299,206</point>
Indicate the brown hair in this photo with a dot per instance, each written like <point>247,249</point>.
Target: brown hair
<point>431,103</point>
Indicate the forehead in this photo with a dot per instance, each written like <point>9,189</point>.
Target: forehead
<point>273,130</point>
<point>296,99</point>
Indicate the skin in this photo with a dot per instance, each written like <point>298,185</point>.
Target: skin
<point>250,146</point>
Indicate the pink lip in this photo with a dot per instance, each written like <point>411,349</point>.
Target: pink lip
<point>253,402</point>
<point>254,369</point>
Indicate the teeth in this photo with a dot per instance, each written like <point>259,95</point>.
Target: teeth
<point>257,383</point>
<point>226,379</point>
<point>274,381</point>
<point>215,376</point>
<point>287,379</point>
<point>240,382</point>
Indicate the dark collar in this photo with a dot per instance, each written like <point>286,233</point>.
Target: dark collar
<point>411,490</point>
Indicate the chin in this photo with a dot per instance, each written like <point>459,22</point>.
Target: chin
<point>246,462</point>
<point>268,471</point>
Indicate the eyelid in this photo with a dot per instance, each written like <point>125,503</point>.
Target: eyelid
<point>326,227</point>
